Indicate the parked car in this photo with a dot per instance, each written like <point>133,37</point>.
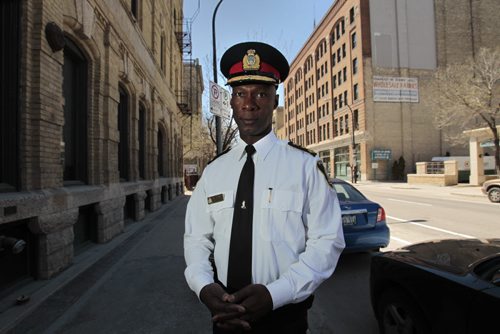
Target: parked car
<point>492,189</point>
<point>363,221</point>
<point>444,286</point>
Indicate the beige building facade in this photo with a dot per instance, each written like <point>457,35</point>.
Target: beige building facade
<point>358,90</point>
<point>91,134</point>
<point>198,149</point>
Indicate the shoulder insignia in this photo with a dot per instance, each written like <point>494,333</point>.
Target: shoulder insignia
<point>219,155</point>
<point>321,168</point>
<point>302,148</point>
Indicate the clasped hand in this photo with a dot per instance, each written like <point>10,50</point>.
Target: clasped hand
<point>237,310</point>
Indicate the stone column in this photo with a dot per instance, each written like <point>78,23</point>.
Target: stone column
<point>55,241</point>
<point>476,162</point>
<point>109,218</point>
<point>139,205</point>
<point>154,196</point>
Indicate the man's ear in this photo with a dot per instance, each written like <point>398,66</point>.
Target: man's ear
<point>276,101</point>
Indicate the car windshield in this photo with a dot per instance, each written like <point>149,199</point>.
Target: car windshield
<point>346,192</point>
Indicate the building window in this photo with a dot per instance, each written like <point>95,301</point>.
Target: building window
<point>345,97</point>
<point>162,53</point>
<point>346,123</point>
<point>344,70</point>
<point>334,81</point>
<point>9,90</point>
<point>75,114</point>
<point>354,40</point>
<point>142,141</point>
<point>123,151</point>
<point>356,119</point>
<point>355,66</point>
<point>335,127</point>
<point>355,92</point>
<point>160,140</point>
<point>340,101</point>
<point>134,8</point>
<point>341,126</point>
<point>343,51</point>
<point>351,15</point>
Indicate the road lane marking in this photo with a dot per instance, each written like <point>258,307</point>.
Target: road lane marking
<point>409,202</point>
<point>401,241</point>
<point>433,228</point>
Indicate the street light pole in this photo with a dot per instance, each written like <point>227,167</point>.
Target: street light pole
<point>354,163</point>
<point>218,137</point>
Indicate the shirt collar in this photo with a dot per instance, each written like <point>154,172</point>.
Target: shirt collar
<point>262,146</point>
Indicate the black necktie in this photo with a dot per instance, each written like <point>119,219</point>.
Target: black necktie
<point>239,273</point>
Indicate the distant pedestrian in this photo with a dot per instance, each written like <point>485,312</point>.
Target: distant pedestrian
<point>263,211</point>
<point>355,171</point>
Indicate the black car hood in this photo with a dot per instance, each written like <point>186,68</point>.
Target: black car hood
<point>452,255</point>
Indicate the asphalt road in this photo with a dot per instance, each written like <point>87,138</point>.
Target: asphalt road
<point>137,285</point>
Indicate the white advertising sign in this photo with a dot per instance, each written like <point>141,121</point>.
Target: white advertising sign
<point>395,89</point>
<point>219,100</point>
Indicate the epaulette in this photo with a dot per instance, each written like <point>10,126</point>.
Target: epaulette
<point>219,155</point>
<point>302,148</point>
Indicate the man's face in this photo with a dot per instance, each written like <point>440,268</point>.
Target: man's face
<point>253,106</point>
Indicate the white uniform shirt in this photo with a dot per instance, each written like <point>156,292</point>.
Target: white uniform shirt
<point>297,227</point>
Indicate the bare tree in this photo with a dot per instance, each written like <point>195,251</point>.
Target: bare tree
<point>467,97</point>
<point>198,141</point>
<point>229,131</point>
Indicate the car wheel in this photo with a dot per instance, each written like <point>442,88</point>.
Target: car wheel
<point>397,313</point>
<point>494,195</point>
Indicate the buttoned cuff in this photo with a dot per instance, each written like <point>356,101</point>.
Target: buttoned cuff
<point>198,281</point>
<point>280,291</point>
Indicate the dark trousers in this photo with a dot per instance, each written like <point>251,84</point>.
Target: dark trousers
<point>289,319</point>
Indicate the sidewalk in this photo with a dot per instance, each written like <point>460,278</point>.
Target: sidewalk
<point>464,190</point>
<point>109,286</point>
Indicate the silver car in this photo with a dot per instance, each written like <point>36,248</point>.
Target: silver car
<point>492,189</point>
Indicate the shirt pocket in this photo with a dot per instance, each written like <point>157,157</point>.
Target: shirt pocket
<point>282,215</point>
<point>221,212</point>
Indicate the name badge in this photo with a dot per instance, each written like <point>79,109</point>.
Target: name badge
<point>215,198</point>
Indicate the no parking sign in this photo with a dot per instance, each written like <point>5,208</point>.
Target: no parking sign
<point>219,101</point>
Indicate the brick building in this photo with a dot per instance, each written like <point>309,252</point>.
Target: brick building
<point>90,124</point>
<point>198,149</point>
<point>362,81</point>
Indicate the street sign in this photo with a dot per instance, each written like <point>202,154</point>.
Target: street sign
<point>219,101</point>
<point>378,154</point>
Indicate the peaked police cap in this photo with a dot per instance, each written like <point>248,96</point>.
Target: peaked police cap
<point>254,62</point>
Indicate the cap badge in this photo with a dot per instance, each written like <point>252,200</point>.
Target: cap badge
<point>251,61</point>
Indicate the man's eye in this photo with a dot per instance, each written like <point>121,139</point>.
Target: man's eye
<point>262,94</point>
<point>238,94</point>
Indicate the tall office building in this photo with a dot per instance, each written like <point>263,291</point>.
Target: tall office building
<point>362,81</point>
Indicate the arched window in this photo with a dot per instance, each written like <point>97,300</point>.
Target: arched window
<point>9,83</point>
<point>142,141</point>
<point>123,147</point>
<point>75,114</point>
<point>161,155</point>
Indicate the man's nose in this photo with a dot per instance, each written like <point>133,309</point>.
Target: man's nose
<point>249,103</point>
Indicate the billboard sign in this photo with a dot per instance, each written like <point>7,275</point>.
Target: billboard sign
<point>395,89</point>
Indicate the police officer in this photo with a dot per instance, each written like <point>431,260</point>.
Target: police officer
<point>263,212</point>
